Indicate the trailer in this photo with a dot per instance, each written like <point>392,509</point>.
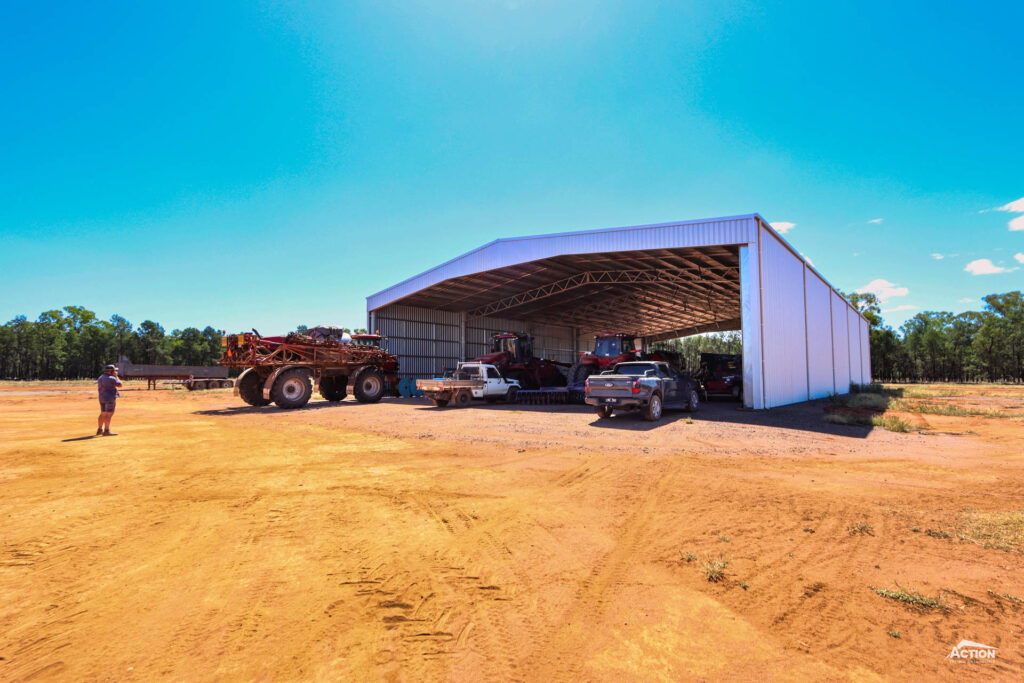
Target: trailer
<point>192,377</point>
<point>285,370</point>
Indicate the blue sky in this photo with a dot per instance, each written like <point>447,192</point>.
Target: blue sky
<point>263,165</point>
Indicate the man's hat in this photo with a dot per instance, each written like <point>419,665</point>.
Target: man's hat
<point>110,367</point>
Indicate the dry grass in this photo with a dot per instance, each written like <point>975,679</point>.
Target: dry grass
<point>888,422</point>
<point>1000,530</point>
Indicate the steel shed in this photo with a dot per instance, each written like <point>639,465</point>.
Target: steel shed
<point>801,339</point>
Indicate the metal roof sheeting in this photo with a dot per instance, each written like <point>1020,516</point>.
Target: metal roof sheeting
<point>515,250</point>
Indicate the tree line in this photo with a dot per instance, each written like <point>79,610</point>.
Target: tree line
<point>72,343</point>
<point>939,346</point>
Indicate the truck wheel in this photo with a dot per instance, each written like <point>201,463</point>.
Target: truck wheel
<point>292,389</point>
<point>440,402</point>
<point>190,385</point>
<point>736,391</point>
<point>225,384</point>
<point>250,389</point>
<point>462,399</point>
<point>604,412</point>
<point>693,402</point>
<point>334,388</point>
<point>513,395</point>
<point>369,386</point>
<point>653,412</point>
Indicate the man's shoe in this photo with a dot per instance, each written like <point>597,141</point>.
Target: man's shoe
<point>99,432</point>
<point>109,434</point>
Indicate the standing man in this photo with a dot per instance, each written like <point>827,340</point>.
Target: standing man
<point>108,384</point>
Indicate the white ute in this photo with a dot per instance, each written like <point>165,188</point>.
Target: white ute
<point>469,381</point>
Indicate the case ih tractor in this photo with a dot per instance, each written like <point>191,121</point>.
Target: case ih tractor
<point>612,349</point>
<point>512,355</point>
<point>285,369</point>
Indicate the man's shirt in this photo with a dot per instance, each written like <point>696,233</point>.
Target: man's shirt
<point>108,385</point>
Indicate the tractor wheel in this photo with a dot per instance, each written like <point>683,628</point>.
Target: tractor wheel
<point>578,374</point>
<point>513,395</point>
<point>463,398</point>
<point>604,412</point>
<point>440,402</point>
<point>334,388</point>
<point>250,389</point>
<point>653,412</point>
<point>292,388</point>
<point>693,402</point>
<point>368,386</point>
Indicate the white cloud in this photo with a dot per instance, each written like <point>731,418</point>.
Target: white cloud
<point>883,289</point>
<point>876,221</point>
<point>782,227</point>
<point>938,257</point>
<point>808,259</point>
<point>901,307</point>
<point>1019,258</point>
<point>1014,207</point>
<point>984,266</point>
<point>965,300</point>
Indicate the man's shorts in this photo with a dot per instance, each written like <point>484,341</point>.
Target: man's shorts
<point>108,406</point>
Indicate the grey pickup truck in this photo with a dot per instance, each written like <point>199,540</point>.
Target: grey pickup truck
<point>647,386</point>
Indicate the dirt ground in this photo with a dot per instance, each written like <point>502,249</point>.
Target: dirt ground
<point>398,541</point>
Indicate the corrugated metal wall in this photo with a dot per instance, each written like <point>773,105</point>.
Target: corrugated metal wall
<point>841,344</point>
<point>865,356</point>
<point>853,328</point>
<point>428,341</point>
<point>819,336</point>
<point>425,341</point>
<point>785,333</point>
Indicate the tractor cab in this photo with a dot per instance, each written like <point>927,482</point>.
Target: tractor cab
<point>518,347</point>
<point>618,346</point>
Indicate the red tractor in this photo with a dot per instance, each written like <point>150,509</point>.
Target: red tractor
<point>611,349</point>
<point>512,355</point>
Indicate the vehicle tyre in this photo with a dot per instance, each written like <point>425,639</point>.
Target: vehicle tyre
<point>250,389</point>
<point>653,411</point>
<point>369,386</point>
<point>513,395</point>
<point>604,412</point>
<point>440,402</point>
<point>463,398</point>
<point>334,388</point>
<point>225,384</point>
<point>191,386</point>
<point>736,391</point>
<point>694,402</point>
<point>578,373</point>
<point>292,388</point>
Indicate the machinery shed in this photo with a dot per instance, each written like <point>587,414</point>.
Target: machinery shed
<point>801,339</point>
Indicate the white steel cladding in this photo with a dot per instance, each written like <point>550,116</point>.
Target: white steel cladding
<point>821,382</point>
<point>784,345</point>
<point>865,356</point>
<point>841,343</point>
<point>853,327</point>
